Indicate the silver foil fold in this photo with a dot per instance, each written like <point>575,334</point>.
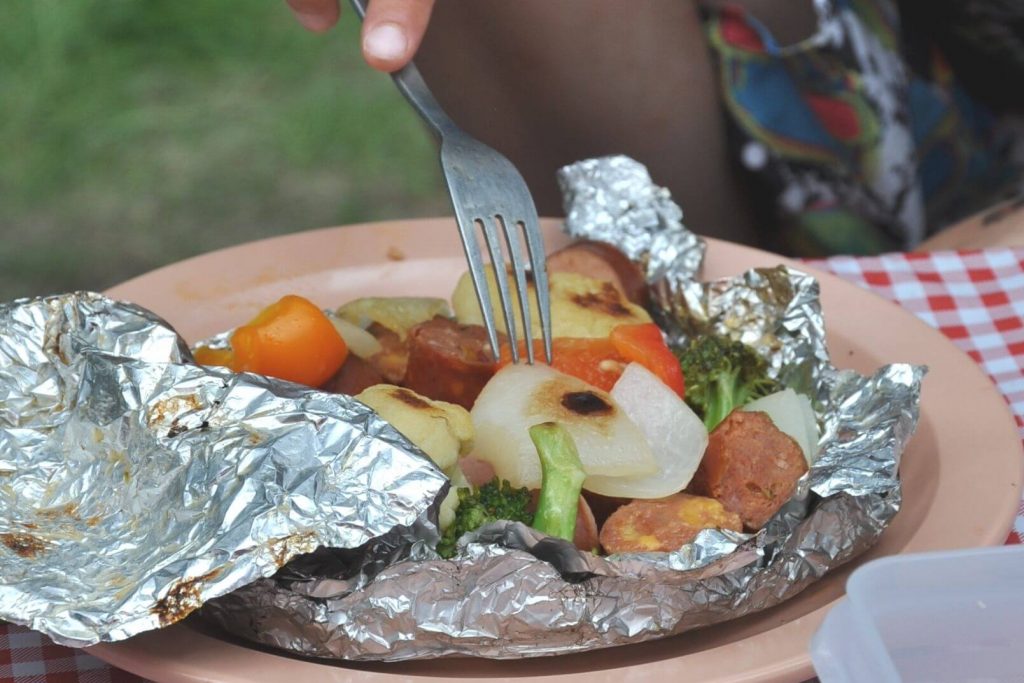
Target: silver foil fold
<point>135,485</point>
<point>613,199</point>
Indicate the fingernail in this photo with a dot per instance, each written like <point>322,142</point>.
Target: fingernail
<point>386,42</point>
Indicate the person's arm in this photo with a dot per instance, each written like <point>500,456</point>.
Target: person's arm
<point>392,30</point>
<point>999,226</point>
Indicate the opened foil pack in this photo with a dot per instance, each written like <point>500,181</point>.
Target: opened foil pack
<point>375,590</point>
<point>135,485</point>
<point>515,593</point>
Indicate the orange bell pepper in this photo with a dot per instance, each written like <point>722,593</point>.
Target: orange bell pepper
<point>595,361</point>
<point>600,361</point>
<point>291,340</point>
<point>644,344</point>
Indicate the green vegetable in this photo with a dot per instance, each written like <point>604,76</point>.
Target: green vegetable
<point>491,502</point>
<point>562,477</point>
<point>721,375</point>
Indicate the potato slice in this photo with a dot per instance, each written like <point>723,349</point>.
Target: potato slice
<point>442,430</point>
<point>520,396</point>
<point>398,314</point>
<point>580,306</point>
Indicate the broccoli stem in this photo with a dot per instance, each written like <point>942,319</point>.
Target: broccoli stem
<point>562,478</point>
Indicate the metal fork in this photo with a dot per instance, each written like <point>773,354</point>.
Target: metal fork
<point>486,191</point>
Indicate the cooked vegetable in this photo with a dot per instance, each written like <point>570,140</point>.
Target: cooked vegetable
<point>750,467</point>
<point>644,344</point>
<point>722,375</point>
<point>562,477</point>
<point>593,360</point>
<point>492,502</point>
<point>600,361</point>
<point>399,313</point>
<point>361,343</point>
<point>446,513</point>
<point>676,436</point>
<point>580,306</point>
<point>520,396</point>
<point>291,340</point>
<point>442,430</point>
<point>792,413</point>
<point>664,524</point>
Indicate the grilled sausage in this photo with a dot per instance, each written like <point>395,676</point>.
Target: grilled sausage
<point>448,361</point>
<point>664,524</point>
<point>601,261</point>
<point>750,466</point>
<point>354,376</point>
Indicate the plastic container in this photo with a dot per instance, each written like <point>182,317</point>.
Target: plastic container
<point>956,616</point>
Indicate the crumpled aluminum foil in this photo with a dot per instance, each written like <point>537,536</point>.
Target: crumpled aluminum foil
<point>513,593</point>
<point>135,485</point>
<point>613,199</point>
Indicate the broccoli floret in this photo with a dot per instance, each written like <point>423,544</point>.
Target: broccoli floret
<point>491,502</point>
<point>562,478</point>
<point>721,375</point>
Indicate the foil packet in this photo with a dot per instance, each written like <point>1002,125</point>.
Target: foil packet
<point>513,593</point>
<point>136,485</point>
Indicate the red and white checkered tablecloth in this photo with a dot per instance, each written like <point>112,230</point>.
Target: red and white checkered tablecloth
<point>975,298</point>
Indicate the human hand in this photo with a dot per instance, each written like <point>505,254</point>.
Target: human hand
<point>392,30</point>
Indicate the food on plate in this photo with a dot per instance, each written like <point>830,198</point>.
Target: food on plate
<point>442,430</point>
<point>601,261</point>
<point>750,466</point>
<point>675,434</point>
<point>663,442</point>
<point>664,524</point>
<point>520,396</point>
<point>291,340</point>
<point>580,306</point>
<point>398,314</point>
<point>354,376</point>
<point>449,361</point>
<point>561,481</point>
<point>792,413</point>
<point>600,361</point>
<point>722,374</point>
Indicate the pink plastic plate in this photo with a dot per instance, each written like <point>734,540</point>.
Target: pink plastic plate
<point>961,472</point>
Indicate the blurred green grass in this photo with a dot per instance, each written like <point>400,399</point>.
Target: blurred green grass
<point>135,133</point>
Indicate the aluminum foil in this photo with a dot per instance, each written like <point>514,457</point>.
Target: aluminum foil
<point>514,593</point>
<point>613,200</point>
<point>135,485</point>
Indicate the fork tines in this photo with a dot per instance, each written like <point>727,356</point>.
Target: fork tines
<point>521,272</point>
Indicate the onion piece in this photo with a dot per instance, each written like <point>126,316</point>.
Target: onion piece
<point>676,435</point>
<point>793,415</point>
<point>520,396</point>
<point>359,341</point>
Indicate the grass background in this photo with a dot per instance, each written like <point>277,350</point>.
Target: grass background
<point>134,133</point>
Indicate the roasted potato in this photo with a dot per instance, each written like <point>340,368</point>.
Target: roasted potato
<point>580,306</point>
<point>442,430</point>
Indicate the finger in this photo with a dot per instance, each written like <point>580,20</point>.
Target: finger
<point>393,30</point>
<point>316,15</point>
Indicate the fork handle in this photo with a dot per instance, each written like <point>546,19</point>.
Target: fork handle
<point>412,85</point>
